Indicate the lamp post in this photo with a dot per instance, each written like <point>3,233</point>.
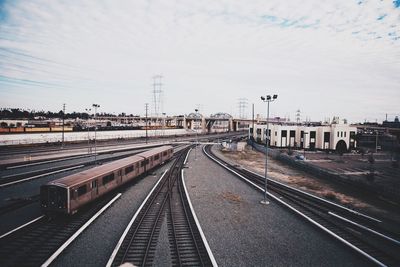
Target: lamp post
<point>267,99</point>
<point>95,128</point>
<point>195,149</point>
<point>87,126</point>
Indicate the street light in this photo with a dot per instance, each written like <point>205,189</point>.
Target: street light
<point>95,128</point>
<point>267,99</point>
<point>195,149</point>
<point>87,125</point>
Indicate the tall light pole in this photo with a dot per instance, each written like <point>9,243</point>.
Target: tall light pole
<point>195,149</point>
<point>87,126</point>
<point>267,99</point>
<point>95,128</point>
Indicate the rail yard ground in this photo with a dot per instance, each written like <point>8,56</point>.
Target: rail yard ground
<point>328,189</point>
<point>239,230</point>
<point>243,232</point>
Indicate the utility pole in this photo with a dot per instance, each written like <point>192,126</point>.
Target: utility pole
<point>147,108</point>
<point>197,140</point>
<point>95,128</point>
<point>63,117</point>
<point>252,131</point>
<point>163,124</point>
<point>87,126</point>
<point>252,120</point>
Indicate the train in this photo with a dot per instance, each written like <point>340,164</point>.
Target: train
<point>68,194</point>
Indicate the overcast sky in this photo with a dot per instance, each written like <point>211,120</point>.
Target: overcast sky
<point>326,58</point>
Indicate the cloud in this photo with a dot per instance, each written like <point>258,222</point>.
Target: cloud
<point>209,52</point>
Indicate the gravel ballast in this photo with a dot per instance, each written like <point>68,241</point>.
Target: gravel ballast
<point>243,232</point>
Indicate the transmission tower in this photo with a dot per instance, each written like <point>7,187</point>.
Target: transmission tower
<point>157,95</point>
<point>242,104</point>
<point>298,115</point>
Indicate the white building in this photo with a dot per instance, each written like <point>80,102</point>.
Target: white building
<point>331,137</point>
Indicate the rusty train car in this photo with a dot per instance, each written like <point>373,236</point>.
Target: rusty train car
<point>68,194</point>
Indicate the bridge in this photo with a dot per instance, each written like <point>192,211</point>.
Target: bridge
<point>219,122</point>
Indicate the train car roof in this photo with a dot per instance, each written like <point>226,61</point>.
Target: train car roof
<point>151,152</point>
<point>102,170</point>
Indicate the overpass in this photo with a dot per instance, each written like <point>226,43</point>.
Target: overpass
<point>220,122</point>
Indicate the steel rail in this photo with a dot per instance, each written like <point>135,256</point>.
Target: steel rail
<point>237,172</point>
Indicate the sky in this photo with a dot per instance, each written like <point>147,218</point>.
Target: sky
<point>325,58</point>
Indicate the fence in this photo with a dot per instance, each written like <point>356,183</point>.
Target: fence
<point>37,138</point>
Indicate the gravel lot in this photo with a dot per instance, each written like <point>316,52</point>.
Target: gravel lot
<point>242,232</point>
<point>325,188</point>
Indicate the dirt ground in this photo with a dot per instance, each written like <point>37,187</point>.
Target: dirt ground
<point>338,193</point>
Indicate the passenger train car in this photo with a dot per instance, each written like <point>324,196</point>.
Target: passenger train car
<point>68,194</point>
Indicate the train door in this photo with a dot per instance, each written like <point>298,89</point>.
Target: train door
<point>95,188</point>
<point>57,198</point>
<point>119,176</point>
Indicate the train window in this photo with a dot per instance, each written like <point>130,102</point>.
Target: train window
<point>119,172</point>
<point>94,183</point>
<point>108,178</point>
<point>156,157</point>
<point>82,190</point>
<point>128,169</point>
<point>164,153</point>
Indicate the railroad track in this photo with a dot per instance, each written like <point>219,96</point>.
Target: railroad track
<point>17,203</point>
<point>167,200</point>
<point>35,243</point>
<point>361,232</point>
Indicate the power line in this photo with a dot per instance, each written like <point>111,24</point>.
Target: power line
<point>298,116</point>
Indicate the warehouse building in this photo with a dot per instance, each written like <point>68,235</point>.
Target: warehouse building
<point>335,136</point>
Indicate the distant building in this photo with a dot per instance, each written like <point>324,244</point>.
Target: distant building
<point>335,136</point>
<point>13,123</point>
<point>392,124</point>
